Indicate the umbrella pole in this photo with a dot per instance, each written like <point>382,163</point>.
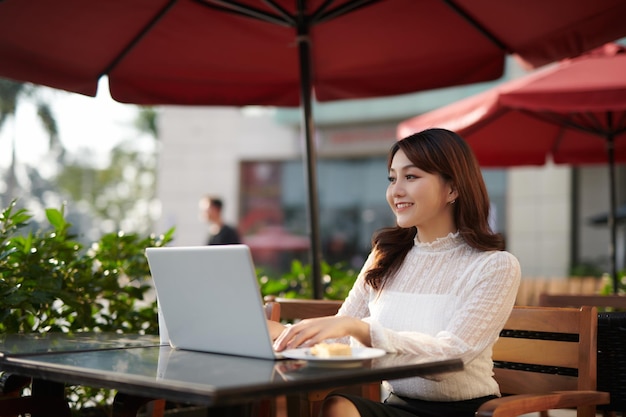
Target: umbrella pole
<point>610,145</point>
<point>306,85</point>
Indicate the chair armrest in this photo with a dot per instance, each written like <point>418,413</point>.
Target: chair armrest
<point>516,405</point>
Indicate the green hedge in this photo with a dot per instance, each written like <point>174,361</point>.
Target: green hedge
<point>50,282</point>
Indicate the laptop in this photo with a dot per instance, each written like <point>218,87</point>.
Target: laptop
<point>210,300</point>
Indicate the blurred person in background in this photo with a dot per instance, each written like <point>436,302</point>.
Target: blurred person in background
<point>220,233</point>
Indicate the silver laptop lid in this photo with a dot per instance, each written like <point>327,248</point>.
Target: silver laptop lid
<point>210,299</point>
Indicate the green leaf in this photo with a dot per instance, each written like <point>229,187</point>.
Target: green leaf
<point>56,219</point>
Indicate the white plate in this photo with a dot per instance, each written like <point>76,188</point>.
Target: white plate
<point>358,354</point>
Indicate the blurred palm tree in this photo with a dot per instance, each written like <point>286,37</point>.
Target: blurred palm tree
<point>122,194</point>
<point>146,122</point>
<point>12,93</point>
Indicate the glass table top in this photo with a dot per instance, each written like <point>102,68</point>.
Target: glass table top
<point>36,343</point>
<point>196,377</point>
<point>205,374</point>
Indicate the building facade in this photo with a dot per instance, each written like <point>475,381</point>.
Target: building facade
<point>253,159</point>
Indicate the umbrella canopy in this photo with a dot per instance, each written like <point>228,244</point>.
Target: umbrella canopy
<point>573,112</point>
<point>282,52</point>
<point>224,52</point>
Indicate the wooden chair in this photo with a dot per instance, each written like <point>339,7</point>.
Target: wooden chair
<point>611,346</point>
<point>546,359</point>
<point>291,310</point>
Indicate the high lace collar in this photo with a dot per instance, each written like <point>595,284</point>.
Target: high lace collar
<point>451,241</point>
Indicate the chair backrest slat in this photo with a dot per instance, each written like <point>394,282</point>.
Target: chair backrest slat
<point>537,352</point>
<point>298,309</point>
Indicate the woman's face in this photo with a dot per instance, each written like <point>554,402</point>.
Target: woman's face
<point>419,198</point>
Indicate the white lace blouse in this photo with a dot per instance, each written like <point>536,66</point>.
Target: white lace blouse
<point>448,300</point>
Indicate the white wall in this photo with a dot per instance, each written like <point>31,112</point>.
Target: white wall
<point>593,200</point>
<point>200,154</point>
<point>203,146</point>
<point>539,219</point>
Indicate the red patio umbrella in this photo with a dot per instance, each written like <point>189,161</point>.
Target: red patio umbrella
<point>282,52</point>
<point>573,112</point>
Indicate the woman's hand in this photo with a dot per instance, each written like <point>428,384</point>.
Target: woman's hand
<point>275,328</point>
<point>312,331</point>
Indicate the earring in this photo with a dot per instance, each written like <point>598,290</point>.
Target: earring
<point>453,201</point>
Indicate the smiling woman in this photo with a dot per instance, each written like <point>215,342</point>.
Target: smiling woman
<point>438,284</point>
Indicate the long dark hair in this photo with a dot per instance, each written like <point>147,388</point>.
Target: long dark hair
<point>438,151</point>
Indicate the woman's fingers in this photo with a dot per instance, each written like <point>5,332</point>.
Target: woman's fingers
<point>309,332</point>
<point>294,336</point>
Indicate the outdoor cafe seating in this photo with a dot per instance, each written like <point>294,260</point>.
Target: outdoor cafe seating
<point>528,388</point>
<point>579,354</point>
